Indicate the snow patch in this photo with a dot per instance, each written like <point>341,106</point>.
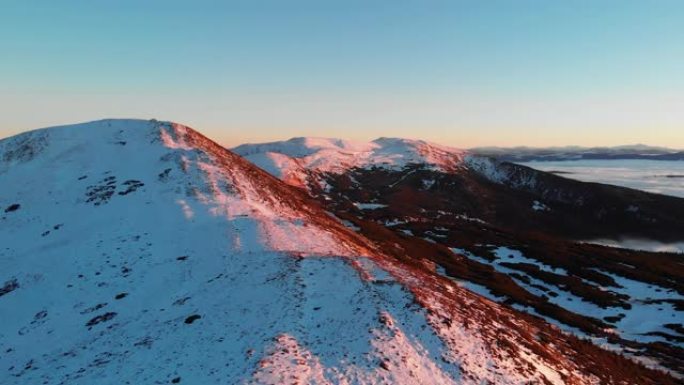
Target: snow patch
<point>369,206</point>
<point>539,206</point>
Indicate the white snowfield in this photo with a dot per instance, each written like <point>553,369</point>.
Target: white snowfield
<point>140,252</point>
<point>291,159</point>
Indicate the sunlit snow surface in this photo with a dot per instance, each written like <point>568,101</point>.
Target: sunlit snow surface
<point>290,160</point>
<point>663,177</point>
<point>107,286</point>
<point>143,253</point>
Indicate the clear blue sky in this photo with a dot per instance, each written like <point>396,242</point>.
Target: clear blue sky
<point>463,73</point>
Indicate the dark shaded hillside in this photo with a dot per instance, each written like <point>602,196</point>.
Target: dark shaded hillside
<point>571,208</point>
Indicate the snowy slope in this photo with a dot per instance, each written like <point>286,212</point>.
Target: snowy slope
<point>412,198</point>
<point>142,252</point>
<point>292,159</point>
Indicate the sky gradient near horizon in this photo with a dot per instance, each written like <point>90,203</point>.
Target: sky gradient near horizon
<point>462,73</point>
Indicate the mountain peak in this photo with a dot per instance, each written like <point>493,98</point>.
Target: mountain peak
<point>154,255</point>
<point>221,180</point>
<point>292,159</point>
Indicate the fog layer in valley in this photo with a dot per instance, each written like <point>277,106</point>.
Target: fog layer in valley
<point>663,177</point>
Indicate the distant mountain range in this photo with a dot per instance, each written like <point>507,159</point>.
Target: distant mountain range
<point>527,154</point>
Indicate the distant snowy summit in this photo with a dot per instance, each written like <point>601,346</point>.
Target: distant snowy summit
<point>337,155</point>
<point>291,160</point>
<point>302,161</point>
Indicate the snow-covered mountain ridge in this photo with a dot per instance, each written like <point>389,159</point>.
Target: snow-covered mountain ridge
<point>459,217</point>
<point>142,252</point>
<point>292,159</point>
<point>300,161</point>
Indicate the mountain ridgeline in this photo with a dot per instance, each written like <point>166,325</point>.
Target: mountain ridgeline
<point>511,233</point>
<point>143,252</point>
